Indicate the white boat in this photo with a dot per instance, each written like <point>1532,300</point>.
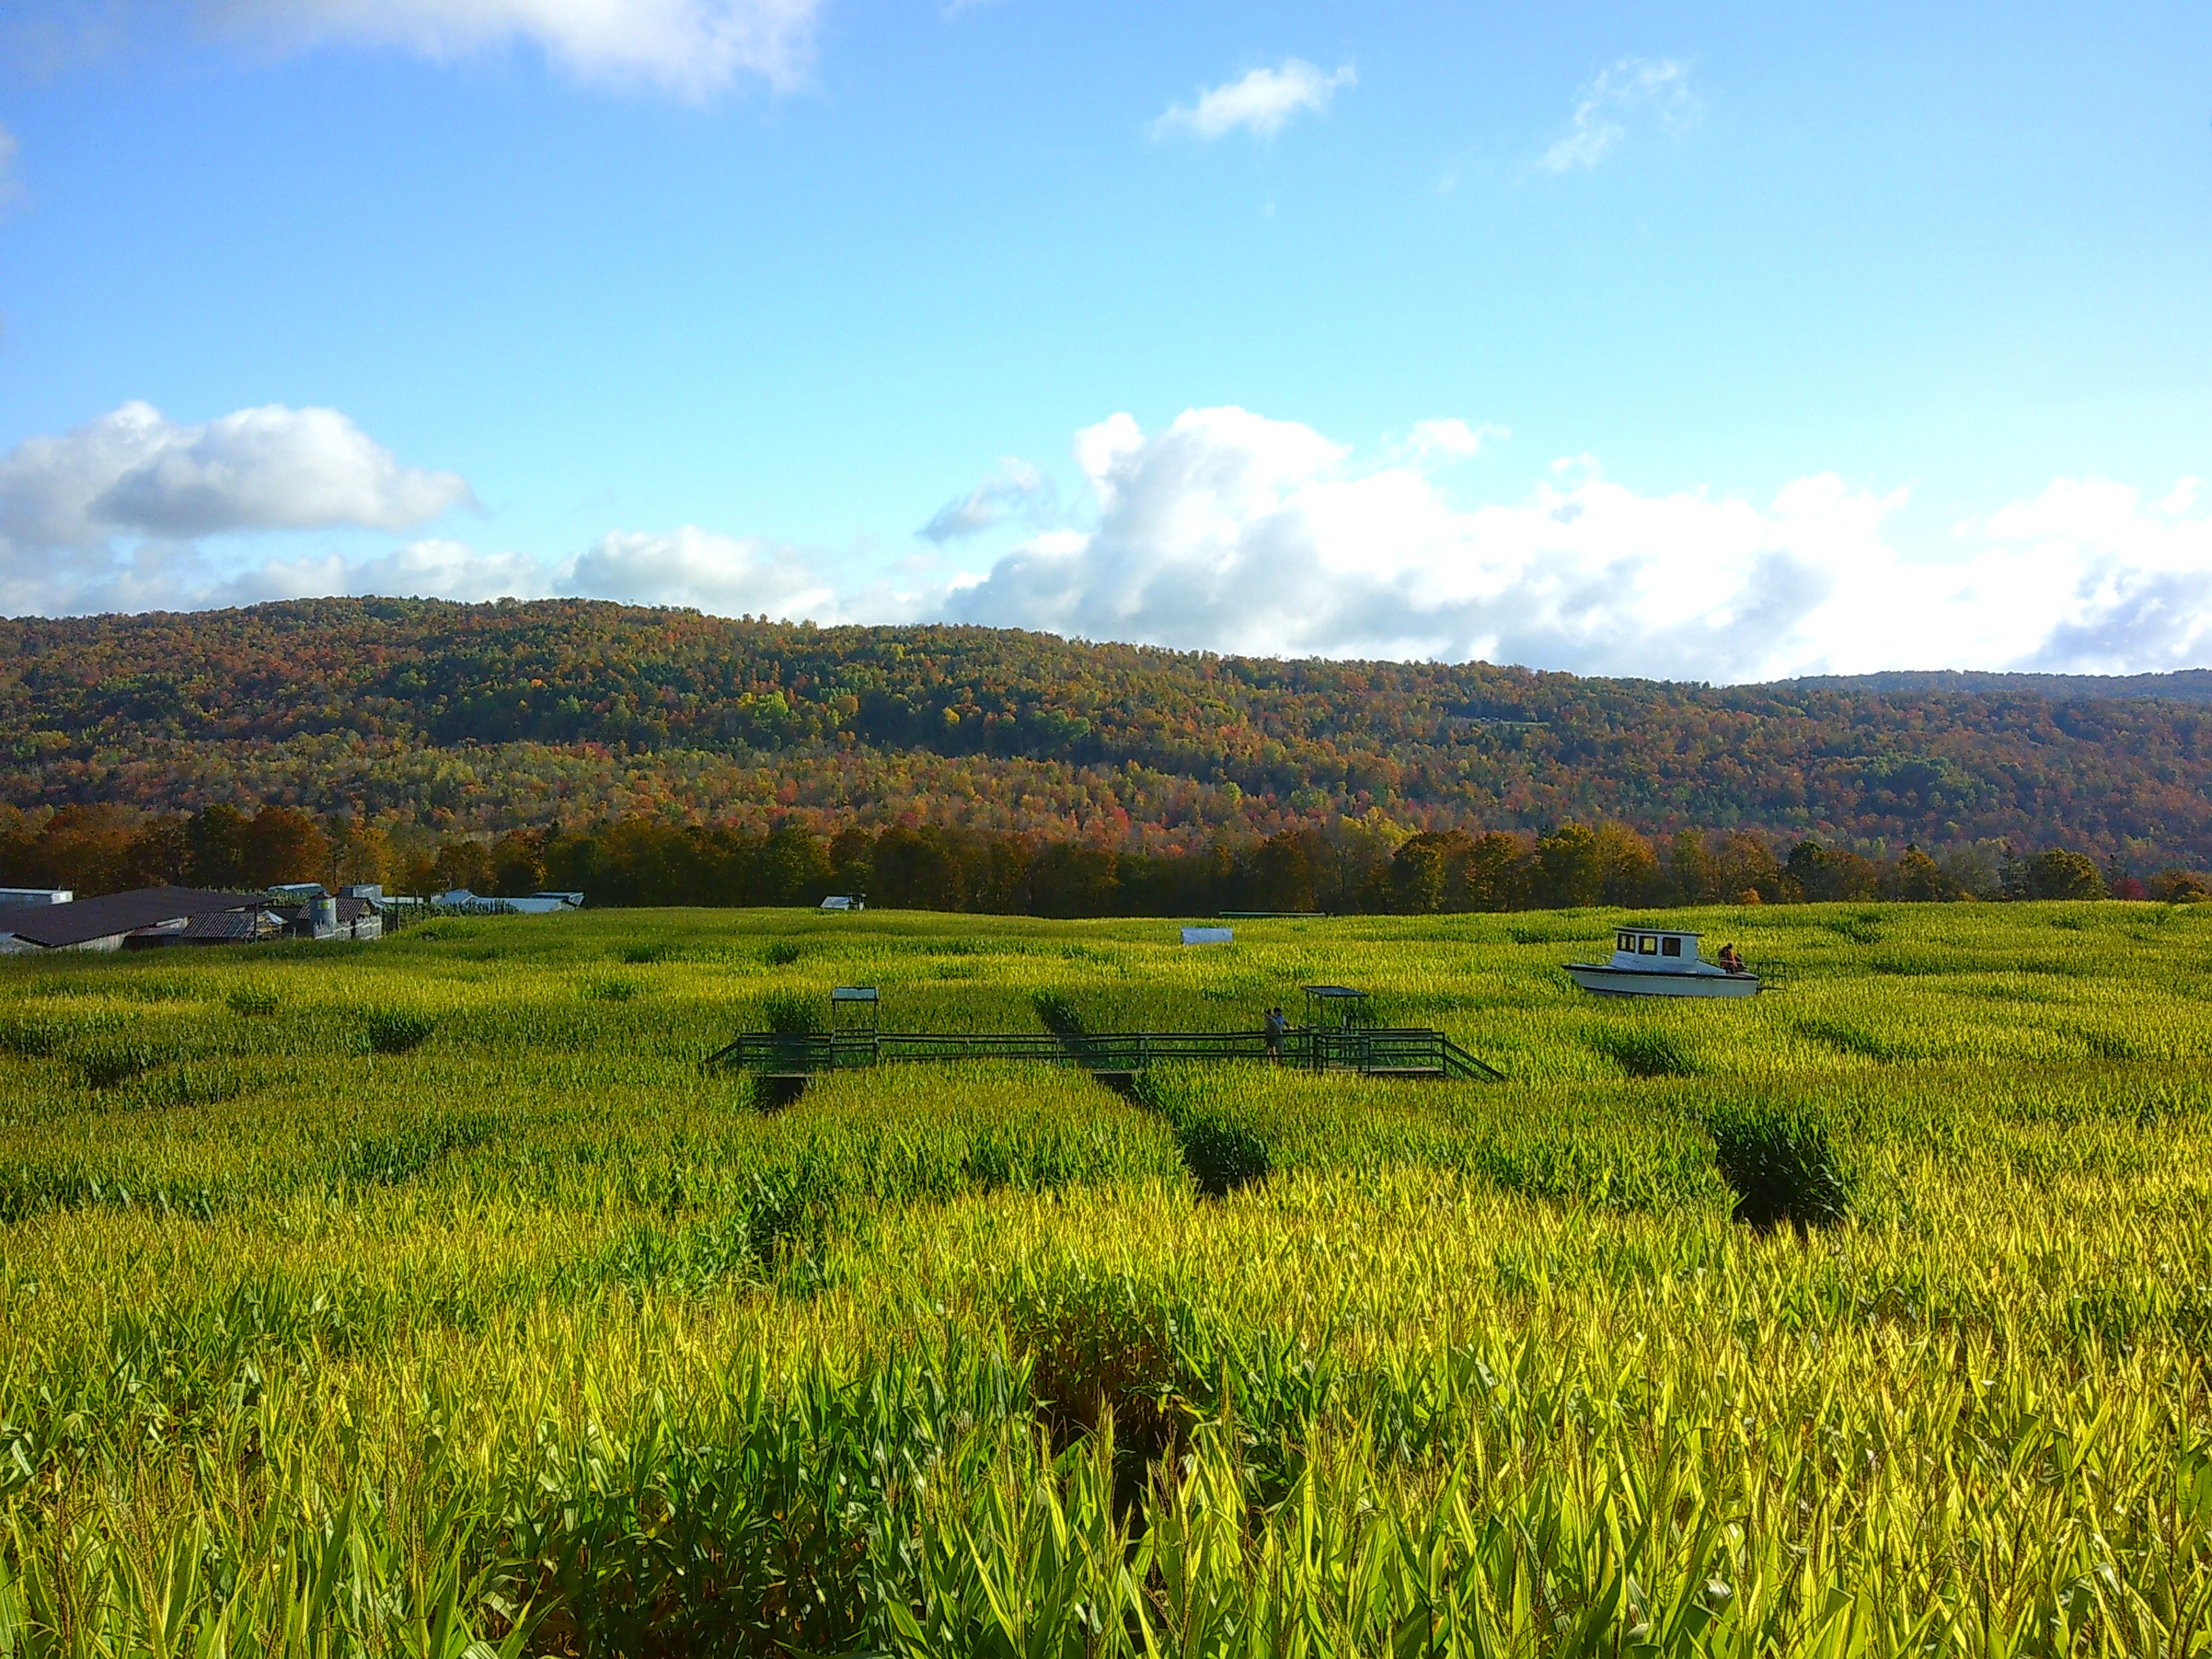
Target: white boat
<point>1657,962</point>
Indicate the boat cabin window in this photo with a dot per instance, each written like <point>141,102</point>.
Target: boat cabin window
<point>1624,941</point>
<point>1671,947</point>
<point>1646,945</point>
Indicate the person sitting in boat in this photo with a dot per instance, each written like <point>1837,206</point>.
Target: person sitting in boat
<point>1729,960</point>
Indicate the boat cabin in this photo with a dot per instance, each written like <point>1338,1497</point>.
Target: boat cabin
<point>1654,947</point>
<point>1663,961</point>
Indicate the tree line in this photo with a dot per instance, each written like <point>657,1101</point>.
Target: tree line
<point>1347,864</point>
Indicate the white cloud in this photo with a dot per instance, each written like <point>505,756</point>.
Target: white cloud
<point>432,570</point>
<point>1451,440</point>
<point>1634,86</point>
<point>692,48</point>
<point>1262,101</point>
<point>135,471</point>
<point>1230,532</point>
<point>1224,530</point>
<point>111,513</point>
<point>2130,590</point>
<point>725,575</point>
<point>114,516</point>
<point>1016,489</point>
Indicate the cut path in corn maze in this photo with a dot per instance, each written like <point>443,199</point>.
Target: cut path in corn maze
<point>438,1297</point>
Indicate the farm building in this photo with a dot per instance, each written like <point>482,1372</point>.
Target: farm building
<point>150,918</point>
<point>317,916</point>
<point>32,898</point>
<point>462,902</point>
<point>117,922</point>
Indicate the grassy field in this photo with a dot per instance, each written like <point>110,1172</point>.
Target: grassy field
<point>429,1297</point>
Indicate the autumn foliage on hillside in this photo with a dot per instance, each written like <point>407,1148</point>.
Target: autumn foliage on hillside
<point>434,728</point>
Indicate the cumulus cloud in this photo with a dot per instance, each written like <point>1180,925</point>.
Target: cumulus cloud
<point>1657,89</point>
<point>726,575</point>
<point>1017,489</point>
<point>1224,530</point>
<point>117,514</point>
<point>1231,531</point>
<point>692,48</point>
<point>113,510</point>
<point>1261,102</point>
<point>2131,587</point>
<point>432,570</point>
<point>135,471</point>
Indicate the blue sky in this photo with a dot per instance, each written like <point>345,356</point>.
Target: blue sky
<point>1684,341</point>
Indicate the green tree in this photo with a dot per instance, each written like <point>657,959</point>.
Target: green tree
<point>1745,871</point>
<point>284,844</point>
<point>1629,868</point>
<point>1421,876</point>
<point>918,870</point>
<point>2179,886</point>
<point>1069,878</point>
<point>1921,879</point>
<point>218,847</point>
<point>1569,867</point>
<point>1816,874</point>
<point>1496,873</point>
<point>1284,869</point>
<point>794,867</point>
<point>362,852</point>
<point>518,863</point>
<point>1692,869</point>
<point>160,853</point>
<point>2054,874</point>
<point>462,862</point>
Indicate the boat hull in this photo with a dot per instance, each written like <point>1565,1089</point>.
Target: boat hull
<point>1659,983</point>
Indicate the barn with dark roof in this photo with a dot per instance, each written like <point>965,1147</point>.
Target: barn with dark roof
<point>112,921</point>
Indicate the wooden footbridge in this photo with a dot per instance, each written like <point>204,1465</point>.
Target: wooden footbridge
<point>1339,1042</point>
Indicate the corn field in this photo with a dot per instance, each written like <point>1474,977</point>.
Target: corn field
<point>429,1297</point>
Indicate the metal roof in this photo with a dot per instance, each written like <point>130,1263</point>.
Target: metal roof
<point>58,926</point>
<point>223,927</point>
<point>31,899</point>
<point>852,994</point>
<point>1333,991</point>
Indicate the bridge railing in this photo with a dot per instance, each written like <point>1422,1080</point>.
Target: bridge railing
<point>1408,1050</point>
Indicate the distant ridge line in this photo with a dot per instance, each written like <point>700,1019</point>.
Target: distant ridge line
<point>2192,685</point>
<point>2181,685</point>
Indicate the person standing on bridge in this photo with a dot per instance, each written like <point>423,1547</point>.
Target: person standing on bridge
<point>1276,1025</point>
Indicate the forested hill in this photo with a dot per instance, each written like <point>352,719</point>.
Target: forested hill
<point>568,711</point>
